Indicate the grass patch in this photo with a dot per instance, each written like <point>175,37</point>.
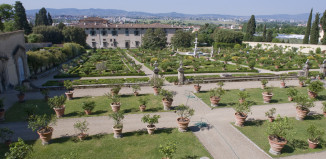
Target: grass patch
<point>297,142</point>
<point>133,145</point>
<point>230,98</point>
<point>129,104</point>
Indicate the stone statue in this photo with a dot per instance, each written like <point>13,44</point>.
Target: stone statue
<point>181,77</point>
<point>323,68</point>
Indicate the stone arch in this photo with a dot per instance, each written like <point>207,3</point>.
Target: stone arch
<point>20,59</point>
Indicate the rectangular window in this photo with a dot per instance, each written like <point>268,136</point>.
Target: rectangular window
<point>94,44</point>
<point>137,43</point>
<point>110,40</point>
<point>105,44</point>
<point>92,32</point>
<point>136,33</point>
<point>127,32</point>
<point>104,32</point>
<point>114,33</point>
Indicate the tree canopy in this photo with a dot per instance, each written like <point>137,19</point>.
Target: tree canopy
<point>314,37</point>
<point>323,26</point>
<point>20,18</point>
<point>6,13</point>
<point>74,34</point>
<point>227,36</point>
<point>251,29</point>
<point>43,17</point>
<point>182,39</point>
<point>154,39</point>
<point>307,34</point>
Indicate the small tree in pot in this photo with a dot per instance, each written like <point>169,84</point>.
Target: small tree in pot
<point>2,110</point>
<point>283,78</point>
<point>168,150</point>
<point>242,96</point>
<point>303,105</point>
<point>277,132</point>
<point>291,92</point>
<point>22,91</point>
<point>115,102</point>
<point>151,121</point>
<point>314,135</point>
<point>314,88</point>
<point>142,103</point>
<point>241,113</point>
<point>324,108</point>
<point>156,83</point>
<point>40,124</point>
<point>263,83</point>
<point>215,96</point>
<point>117,127</point>
<point>45,93</point>
<point>57,103</point>
<point>19,150</point>
<point>167,98</point>
<point>270,114</point>
<point>267,94</point>
<point>184,113</point>
<point>135,89</point>
<point>6,135</point>
<point>68,85</point>
<point>88,106</point>
<point>302,80</point>
<point>115,89</point>
<point>198,80</point>
<point>82,127</point>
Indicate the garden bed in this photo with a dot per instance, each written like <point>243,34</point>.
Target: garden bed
<point>297,142</point>
<point>98,81</point>
<point>133,145</point>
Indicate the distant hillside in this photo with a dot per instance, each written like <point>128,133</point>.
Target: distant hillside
<point>115,12</point>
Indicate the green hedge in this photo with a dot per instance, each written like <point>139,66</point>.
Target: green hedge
<point>97,75</point>
<point>99,81</point>
<point>192,72</point>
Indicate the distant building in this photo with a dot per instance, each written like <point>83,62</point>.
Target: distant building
<point>13,60</point>
<point>102,34</point>
<point>321,33</point>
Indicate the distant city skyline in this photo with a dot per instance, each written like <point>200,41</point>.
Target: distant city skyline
<point>226,7</point>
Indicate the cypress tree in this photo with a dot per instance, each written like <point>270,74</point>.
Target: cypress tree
<point>307,34</point>
<point>50,19</point>
<point>314,37</point>
<point>269,37</point>
<point>41,17</point>
<point>251,29</point>
<point>21,22</point>
<point>264,33</point>
<point>323,26</point>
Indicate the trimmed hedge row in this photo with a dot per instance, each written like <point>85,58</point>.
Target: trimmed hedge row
<point>97,75</point>
<point>99,81</point>
<point>192,72</point>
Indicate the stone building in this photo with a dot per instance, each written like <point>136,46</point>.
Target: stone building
<point>102,34</point>
<point>13,60</point>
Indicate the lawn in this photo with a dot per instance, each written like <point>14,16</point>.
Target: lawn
<point>231,97</point>
<point>129,104</point>
<point>297,140</point>
<point>136,145</point>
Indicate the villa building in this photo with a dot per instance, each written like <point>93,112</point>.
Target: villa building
<point>102,34</point>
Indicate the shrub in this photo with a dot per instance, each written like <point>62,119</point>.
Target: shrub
<point>40,123</point>
<point>156,82</point>
<point>114,98</point>
<point>135,88</point>
<point>150,120</point>
<point>6,134</point>
<point>302,78</point>
<point>169,149</point>
<point>82,127</point>
<point>243,95</point>
<point>324,106</point>
<point>316,86</point>
<point>117,117</point>
<point>167,94</point>
<point>270,112</point>
<point>184,111</point>
<point>143,101</point>
<point>57,101</point>
<point>19,150</point>
<point>68,85</point>
<point>292,92</point>
<point>216,92</point>
<point>116,89</point>
<point>268,90</point>
<point>304,102</point>
<point>314,133</point>
<point>264,82</point>
<point>88,105</point>
<point>279,128</point>
<point>242,108</point>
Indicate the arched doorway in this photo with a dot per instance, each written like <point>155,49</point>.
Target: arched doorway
<point>21,71</point>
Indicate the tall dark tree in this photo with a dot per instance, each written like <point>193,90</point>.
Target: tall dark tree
<point>50,21</point>
<point>264,33</point>
<point>6,13</point>
<point>181,39</point>
<point>269,37</point>
<point>307,34</point>
<point>74,34</point>
<point>41,17</point>
<point>251,29</point>
<point>323,26</point>
<point>154,39</point>
<point>227,36</point>
<point>21,19</point>
<point>314,37</point>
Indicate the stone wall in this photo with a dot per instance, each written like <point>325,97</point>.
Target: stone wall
<point>33,46</point>
<point>304,48</point>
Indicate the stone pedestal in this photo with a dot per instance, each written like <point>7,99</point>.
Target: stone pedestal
<point>181,76</point>
<point>306,69</point>
<point>323,69</point>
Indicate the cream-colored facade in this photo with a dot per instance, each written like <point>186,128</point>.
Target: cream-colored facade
<point>13,60</point>
<point>101,34</point>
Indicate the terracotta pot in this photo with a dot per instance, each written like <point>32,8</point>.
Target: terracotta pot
<point>197,88</point>
<point>183,125</point>
<point>301,114</point>
<point>267,97</point>
<point>21,97</point>
<point>136,93</point>
<point>324,114</point>
<point>276,67</point>
<point>150,130</point>
<point>45,137</point>
<point>60,111</point>
<point>88,112</point>
<point>241,101</point>
<point>263,86</point>
<point>167,103</point>
<point>276,147</point>
<point>214,101</point>
<point>2,114</point>
<point>156,91</point>
<point>69,95</point>
<point>290,98</point>
<point>282,84</point>
<point>312,145</point>
<point>175,83</point>
<point>312,94</point>
<point>117,132</point>
<point>115,106</point>
<point>81,136</point>
<point>301,84</point>
<point>142,108</point>
<point>271,118</point>
<point>240,119</point>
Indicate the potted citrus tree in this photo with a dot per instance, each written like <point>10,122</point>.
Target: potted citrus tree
<point>270,114</point>
<point>264,83</point>
<point>241,113</point>
<point>314,135</point>
<point>303,105</point>
<point>291,92</point>
<point>68,85</point>
<point>242,96</point>
<point>45,93</point>
<point>135,89</point>
<point>88,106</point>
<point>142,103</point>
<point>57,104</point>
<point>19,150</point>
<point>2,110</point>
<point>156,83</point>
<point>302,80</point>
<point>324,108</point>
<point>167,98</point>
<point>215,96</point>
<point>168,150</point>
<point>117,127</point>
<point>197,86</point>
<point>82,128</point>
<point>267,94</point>
<point>40,124</point>
<point>184,113</point>
<point>115,102</point>
<point>314,88</point>
<point>151,120</point>
<point>277,132</point>
<point>283,78</point>
<point>22,91</point>
<point>115,89</point>
<point>6,135</point>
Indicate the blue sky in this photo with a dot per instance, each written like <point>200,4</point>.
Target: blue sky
<point>231,7</point>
